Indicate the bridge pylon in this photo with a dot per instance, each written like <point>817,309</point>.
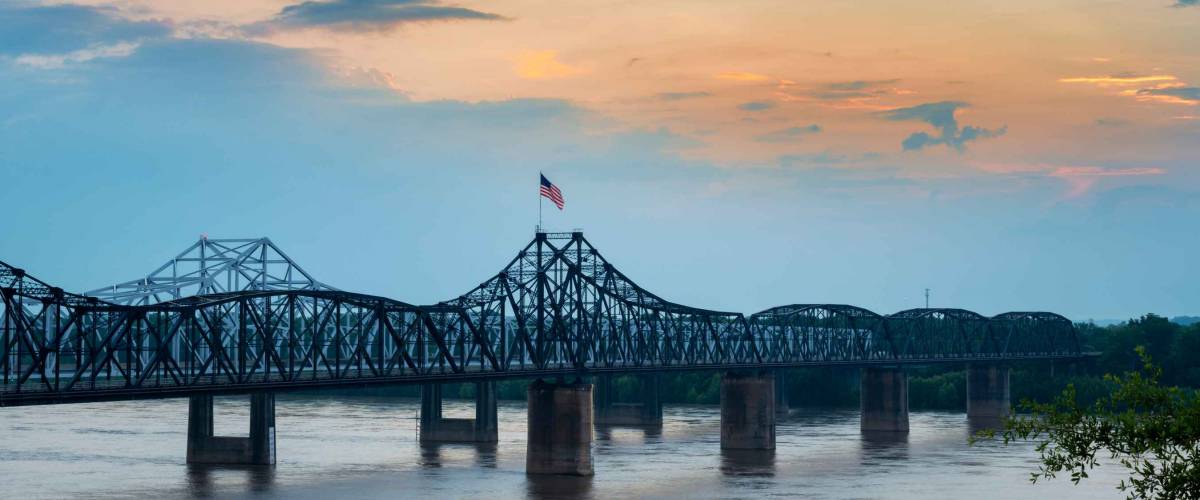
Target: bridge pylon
<point>748,410</point>
<point>256,449</point>
<point>883,400</point>
<point>560,429</point>
<point>437,429</point>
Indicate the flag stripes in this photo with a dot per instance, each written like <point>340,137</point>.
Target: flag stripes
<point>549,190</point>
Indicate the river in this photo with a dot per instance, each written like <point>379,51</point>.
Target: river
<point>365,447</point>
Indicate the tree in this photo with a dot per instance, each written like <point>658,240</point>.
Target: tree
<point>1150,429</point>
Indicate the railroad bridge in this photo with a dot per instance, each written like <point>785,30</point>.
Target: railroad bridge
<point>240,317</point>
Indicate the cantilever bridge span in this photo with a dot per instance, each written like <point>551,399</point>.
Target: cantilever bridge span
<point>557,309</point>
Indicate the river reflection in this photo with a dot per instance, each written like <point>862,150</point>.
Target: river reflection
<point>435,454</point>
<point>201,478</point>
<point>753,463</point>
<point>558,487</point>
<point>347,447</point>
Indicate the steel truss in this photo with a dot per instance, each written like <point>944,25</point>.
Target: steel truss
<point>559,308</point>
<point>214,266</point>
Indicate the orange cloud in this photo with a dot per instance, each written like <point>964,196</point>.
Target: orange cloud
<point>544,64</point>
<point>739,76</point>
<point>1119,79</point>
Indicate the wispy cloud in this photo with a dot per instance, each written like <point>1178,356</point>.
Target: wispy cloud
<point>1173,95</point>
<point>756,106</point>
<point>1167,89</point>
<point>51,36</point>
<point>55,61</point>
<point>1080,179</point>
<point>679,96</point>
<point>1119,79</point>
<point>739,76</point>
<point>367,15</point>
<point>789,134</point>
<point>824,158</point>
<point>942,116</point>
<point>544,64</point>
<point>853,94</point>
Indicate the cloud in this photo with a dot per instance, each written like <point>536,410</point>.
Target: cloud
<point>679,96</point>
<point>1174,95</point>
<point>756,106</point>
<point>1186,3</point>
<point>1112,122</point>
<point>942,116</point>
<point>824,158</point>
<point>853,94</point>
<point>1079,178</point>
<point>739,76</point>
<point>1163,88</point>
<point>789,134</point>
<point>69,31</point>
<point>367,15</point>
<point>544,64</point>
<point>1119,79</point>
<point>1082,179</point>
<point>859,84</point>
<point>55,61</point>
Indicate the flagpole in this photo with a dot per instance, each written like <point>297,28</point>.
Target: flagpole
<point>539,226</point>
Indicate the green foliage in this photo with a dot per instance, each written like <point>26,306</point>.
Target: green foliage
<point>946,391</point>
<point>691,388</point>
<point>1151,429</point>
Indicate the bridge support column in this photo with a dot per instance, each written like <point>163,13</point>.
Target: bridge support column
<point>748,411</point>
<point>782,408</point>
<point>987,391</point>
<point>883,398</point>
<point>436,429</point>
<point>646,411</point>
<point>560,429</point>
<point>257,449</point>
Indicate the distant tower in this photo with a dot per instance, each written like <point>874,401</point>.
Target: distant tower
<point>927,298</point>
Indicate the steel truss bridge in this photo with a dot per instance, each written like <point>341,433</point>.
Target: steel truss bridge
<point>231,316</point>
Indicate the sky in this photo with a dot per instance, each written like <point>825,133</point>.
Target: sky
<point>1021,155</point>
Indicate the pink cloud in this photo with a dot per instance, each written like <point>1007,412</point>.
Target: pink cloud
<point>1081,179</point>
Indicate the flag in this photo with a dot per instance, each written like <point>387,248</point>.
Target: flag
<point>549,190</point>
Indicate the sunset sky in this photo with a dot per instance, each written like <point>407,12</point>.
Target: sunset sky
<point>733,155</point>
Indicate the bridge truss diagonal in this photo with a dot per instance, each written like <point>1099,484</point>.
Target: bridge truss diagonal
<point>211,266</point>
<point>557,309</point>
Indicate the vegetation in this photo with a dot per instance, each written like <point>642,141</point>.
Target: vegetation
<point>1151,429</point>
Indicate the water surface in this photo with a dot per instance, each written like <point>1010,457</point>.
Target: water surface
<point>360,447</point>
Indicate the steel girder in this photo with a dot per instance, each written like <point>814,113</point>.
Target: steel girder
<point>558,308</point>
<point>215,266</point>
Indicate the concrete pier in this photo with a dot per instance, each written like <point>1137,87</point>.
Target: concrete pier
<point>987,391</point>
<point>782,406</point>
<point>437,429</point>
<point>256,449</point>
<point>646,410</point>
<point>560,429</point>
<point>748,411</point>
<point>883,399</point>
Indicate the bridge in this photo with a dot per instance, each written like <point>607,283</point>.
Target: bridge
<point>240,317</point>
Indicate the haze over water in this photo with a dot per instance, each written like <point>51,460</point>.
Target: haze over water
<point>366,447</point>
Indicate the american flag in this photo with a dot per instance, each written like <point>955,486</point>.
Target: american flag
<point>549,190</point>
